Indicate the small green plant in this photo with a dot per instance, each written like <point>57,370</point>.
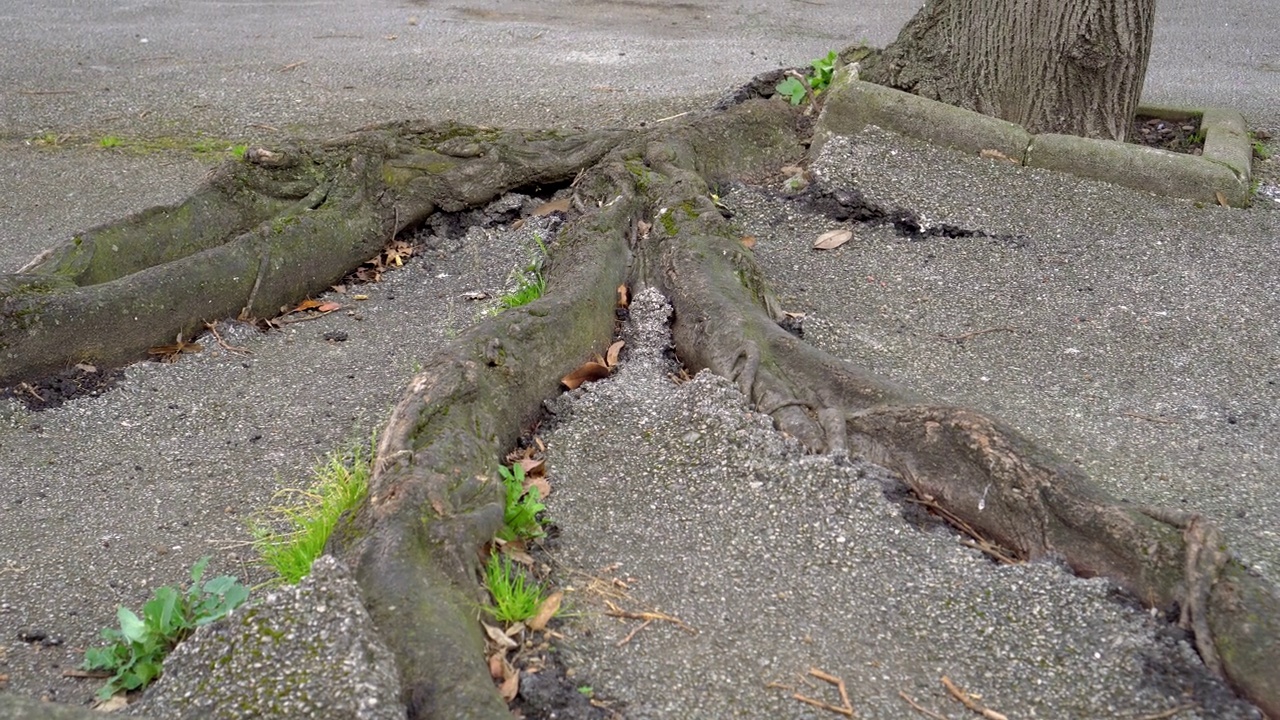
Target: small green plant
<point>530,282</point>
<point>587,690</point>
<point>520,521</point>
<point>823,68</point>
<point>109,141</point>
<point>1260,150</point>
<point>341,483</point>
<point>238,151</point>
<point>137,649</point>
<point>515,597</point>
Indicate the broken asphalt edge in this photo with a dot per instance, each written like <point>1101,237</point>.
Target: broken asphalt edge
<point>1223,169</point>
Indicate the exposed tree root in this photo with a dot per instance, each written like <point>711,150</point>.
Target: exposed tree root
<point>290,222</point>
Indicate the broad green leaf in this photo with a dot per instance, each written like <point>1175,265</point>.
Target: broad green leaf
<point>197,571</point>
<point>161,612</point>
<point>132,628</point>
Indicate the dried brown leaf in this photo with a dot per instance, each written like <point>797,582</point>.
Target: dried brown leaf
<point>561,205</point>
<point>510,686</point>
<point>329,307</point>
<point>748,241</point>
<point>532,466</point>
<point>517,553</point>
<point>496,661</point>
<point>588,372</point>
<point>832,239</point>
<point>540,482</point>
<point>611,357</point>
<point>993,154</point>
<point>498,637</point>
<point>547,610</point>
<point>624,296</point>
<point>1222,199</point>
<point>308,304</point>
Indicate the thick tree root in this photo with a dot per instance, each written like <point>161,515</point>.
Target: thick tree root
<point>435,499</point>
<point>284,223</point>
<point>982,471</point>
<point>261,233</point>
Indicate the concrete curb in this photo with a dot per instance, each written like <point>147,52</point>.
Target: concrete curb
<point>1221,173</point>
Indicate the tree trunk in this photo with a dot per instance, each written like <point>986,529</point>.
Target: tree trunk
<point>1063,66</point>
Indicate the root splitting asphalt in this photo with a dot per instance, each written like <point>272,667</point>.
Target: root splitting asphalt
<point>1146,348</point>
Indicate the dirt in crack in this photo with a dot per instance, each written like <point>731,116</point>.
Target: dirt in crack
<point>54,390</point>
<point>847,204</point>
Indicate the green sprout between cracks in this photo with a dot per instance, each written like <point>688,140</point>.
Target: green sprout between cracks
<point>530,282</point>
<point>296,533</point>
<point>520,520</point>
<point>823,68</point>
<point>134,653</point>
<point>515,597</point>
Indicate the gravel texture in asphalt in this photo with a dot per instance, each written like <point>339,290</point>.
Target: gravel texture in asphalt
<point>1128,308</point>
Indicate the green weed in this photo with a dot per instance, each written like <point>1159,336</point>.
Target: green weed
<point>823,69</point>
<point>530,282</point>
<point>109,141</point>
<point>515,597</point>
<point>294,534</point>
<point>520,521</point>
<point>1260,150</point>
<point>135,651</point>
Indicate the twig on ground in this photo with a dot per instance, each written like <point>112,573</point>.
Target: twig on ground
<point>845,708</point>
<point>916,706</point>
<point>1149,418</point>
<point>293,66</point>
<point>213,328</point>
<point>969,335</point>
<point>978,542</point>
<point>615,611</point>
<point>964,699</point>
<point>1167,713</point>
<point>672,117</point>
<point>633,633</point>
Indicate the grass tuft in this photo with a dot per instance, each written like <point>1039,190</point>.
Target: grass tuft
<point>515,597</point>
<point>294,534</point>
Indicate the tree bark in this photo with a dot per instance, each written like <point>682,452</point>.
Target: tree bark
<point>644,216</point>
<point>1074,67</point>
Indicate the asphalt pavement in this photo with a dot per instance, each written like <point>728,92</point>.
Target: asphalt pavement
<point>1130,308</point>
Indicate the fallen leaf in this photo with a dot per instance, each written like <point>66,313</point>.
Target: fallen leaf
<point>544,487</point>
<point>642,229</point>
<point>329,307</point>
<point>832,239</point>
<point>85,367</point>
<point>390,37</point>
<point>624,296</point>
<point>588,372</point>
<point>561,205</point>
<point>515,629</point>
<point>359,297</point>
<point>547,610</point>
<point>475,295</point>
<point>532,467</point>
<point>308,304</point>
<point>748,241</point>
<point>113,703</point>
<point>611,357</point>
<point>1222,199</point>
<point>993,154</point>
<point>498,637</point>
<point>495,664</point>
<point>517,553</point>
<point>510,686</point>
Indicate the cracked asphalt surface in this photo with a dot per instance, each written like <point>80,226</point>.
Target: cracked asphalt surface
<point>1128,307</point>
